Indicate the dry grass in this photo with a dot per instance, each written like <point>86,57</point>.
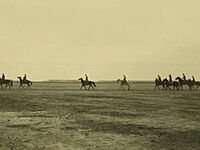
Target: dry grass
<point>59,116</point>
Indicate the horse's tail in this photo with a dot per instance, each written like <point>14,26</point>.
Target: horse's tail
<point>31,82</point>
<point>94,84</point>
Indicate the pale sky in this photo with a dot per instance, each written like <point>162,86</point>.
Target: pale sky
<point>64,39</point>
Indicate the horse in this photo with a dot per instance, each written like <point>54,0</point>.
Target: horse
<point>158,83</point>
<point>197,83</point>
<point>8,83</point>
<point>188,82</point>
<point>167,84</point>
<point>124,83</point>
<point>22,82</point>
<point>85,83</point>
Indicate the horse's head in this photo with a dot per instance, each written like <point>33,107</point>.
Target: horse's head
<point>165,80</point>
<point>80,79</point>
<point>19,78</point>
<point>118,80</point>
<point>178,78</point>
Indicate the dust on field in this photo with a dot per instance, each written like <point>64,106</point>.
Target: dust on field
<point>58,116</point>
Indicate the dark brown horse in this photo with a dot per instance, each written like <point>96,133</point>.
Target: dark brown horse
<point>188,82</point>
<point>167,84</point>
<point>84,83</point>
<point>159,83</point>
<point>197,83</point>
<point>8,83</point>
<point>22,82</point>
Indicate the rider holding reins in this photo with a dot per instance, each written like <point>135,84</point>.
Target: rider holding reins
<point>86,78</point>
<point>24,78</point>
<point>3,77</point>
<point>124,78</point>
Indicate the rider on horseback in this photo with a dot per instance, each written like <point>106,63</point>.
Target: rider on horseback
<point>3,77</point>
<point>86,78</point>
<point>124,78</point>
<point>159,78</point>
<point>170,78</point>
<point>24,78</point>
<point>193,79</point>
<point>184,77</point>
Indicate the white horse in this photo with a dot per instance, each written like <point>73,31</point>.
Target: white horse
<point>124,83</point>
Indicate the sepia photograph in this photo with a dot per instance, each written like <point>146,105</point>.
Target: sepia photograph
<point>99,75</point>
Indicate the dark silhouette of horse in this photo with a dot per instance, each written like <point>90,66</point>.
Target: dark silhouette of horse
<point>158,83</point>
<point>188,82</point>
<point>22,82</point>
<point>197,83</point>
<point>167,84</point>
<point>124,83</point>
<point>84,83</point>
<point>8,83</point>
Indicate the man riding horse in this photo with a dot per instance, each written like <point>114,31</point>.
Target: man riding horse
<point>124,78</point>
<point>90,84</point>
<point>124,83</point>
<point>170,79</point>
<point>3,77</point>
<point>159,78</point>
<point>193,79</point>
<point>184,77</point>
<point>86,78</point>
<point>24,78</point>
<point>5,81</point>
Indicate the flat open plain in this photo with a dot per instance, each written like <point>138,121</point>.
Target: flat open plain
<point>59,116</point>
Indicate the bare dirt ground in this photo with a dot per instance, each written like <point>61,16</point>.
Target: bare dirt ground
<point>59,116</point>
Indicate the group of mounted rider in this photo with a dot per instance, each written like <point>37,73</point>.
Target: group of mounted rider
<point>9,83</point>
<point>91,84</point>
<point>177,83</point>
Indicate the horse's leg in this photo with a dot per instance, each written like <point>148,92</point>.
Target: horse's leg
<point>92,87</point>
<point>190,87</point>
<point>5,85</point>
<point>162,87</point>
<point>20,85</point>
<point>170,88</point>
<point>181,87</point>
<point>81,87</point>
<point>28,84</point>
<point>156,87</point>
